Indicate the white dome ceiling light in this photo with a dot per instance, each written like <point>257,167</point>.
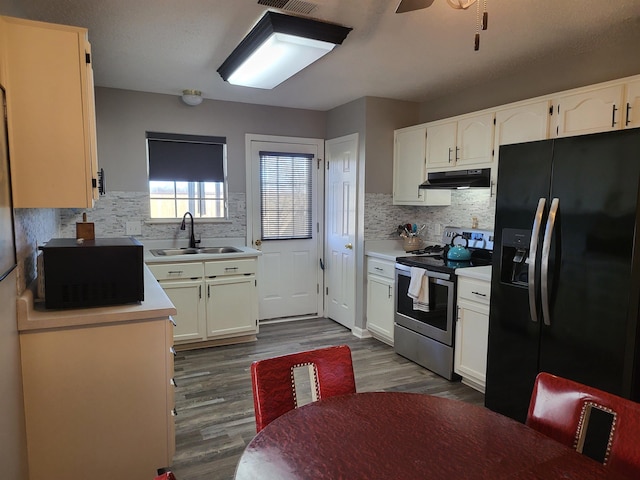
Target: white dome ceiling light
<point>192,97</point>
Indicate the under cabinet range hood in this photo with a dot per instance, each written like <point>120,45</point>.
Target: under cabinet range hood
<point>476,178</point>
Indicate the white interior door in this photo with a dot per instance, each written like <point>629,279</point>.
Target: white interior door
<point>289,274</point>
<point>341,185</point>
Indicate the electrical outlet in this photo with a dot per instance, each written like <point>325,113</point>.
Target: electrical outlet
<point>438,229</point>
<point>134,228</point>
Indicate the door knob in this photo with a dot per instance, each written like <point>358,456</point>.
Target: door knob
<point>258,242</point>
<point>349,246</point>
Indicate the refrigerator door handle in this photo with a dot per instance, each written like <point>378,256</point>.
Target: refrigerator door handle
<point>544,272</point>
<point>533,251</point>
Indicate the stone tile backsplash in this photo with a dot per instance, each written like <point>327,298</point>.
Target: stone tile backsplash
<point>381,217</point>
<point>115,209</point>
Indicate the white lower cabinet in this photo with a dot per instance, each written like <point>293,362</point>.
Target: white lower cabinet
<point>380,299</point>
<point>472,331</point>
<point>98,400</point>
<point>215,299</point>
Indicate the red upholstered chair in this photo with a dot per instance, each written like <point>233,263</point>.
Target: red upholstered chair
<point>274,388</point>
<point>561,408</point>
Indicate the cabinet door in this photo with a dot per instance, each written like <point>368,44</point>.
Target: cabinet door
<point>50,130</point>
<point>472,332</point>
<point>441,145</point>
<point>525,123</point>
<point>96,401</point>
<point>632,105</point>
<point>231,306</point>
<point>188,299</point>
<point>380,307</point>
<point>408,165</point>
<point>409,170</point>
<point>475,140</point>
<point>590,112</point>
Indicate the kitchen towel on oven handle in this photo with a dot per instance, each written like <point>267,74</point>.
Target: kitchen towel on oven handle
<point>419,289</point>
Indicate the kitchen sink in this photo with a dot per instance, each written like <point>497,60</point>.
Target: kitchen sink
<point>161,252</point>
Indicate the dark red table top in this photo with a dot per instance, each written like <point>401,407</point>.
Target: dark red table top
<point>392,435</point>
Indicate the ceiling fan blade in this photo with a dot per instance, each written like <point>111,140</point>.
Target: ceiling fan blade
<point>411,5</point>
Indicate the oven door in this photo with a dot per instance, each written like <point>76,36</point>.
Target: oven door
<point>437,323</point>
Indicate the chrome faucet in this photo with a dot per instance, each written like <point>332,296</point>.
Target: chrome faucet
<point>183,226</point>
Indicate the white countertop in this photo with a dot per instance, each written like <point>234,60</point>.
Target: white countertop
<point>480,273</point>
<point>384,249</point>
<point>32,314</point>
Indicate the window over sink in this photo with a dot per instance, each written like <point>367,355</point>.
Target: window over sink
<point>187,173</point>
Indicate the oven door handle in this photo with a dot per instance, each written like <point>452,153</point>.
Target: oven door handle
<point>533,252</point>
<point>546,248</point>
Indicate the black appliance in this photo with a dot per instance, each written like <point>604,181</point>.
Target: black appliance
<point>477,178</point>
<point>426,335</point>
<point>92,273</point>
<point>566,274</point>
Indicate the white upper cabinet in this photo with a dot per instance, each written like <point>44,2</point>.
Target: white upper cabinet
<point>631,114</point>
<point>466,142</point>
<point>475,140</point>
<point>441,145</point>
<point>409,170</point>
<point>51,114</point>
<point>592,111</point>
<point>524,123</point>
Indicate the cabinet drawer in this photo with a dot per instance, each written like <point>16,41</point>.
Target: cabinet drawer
<point>474,290</point>
<point>176,271</point>
<point>230,267</point>
<point>380,267</point>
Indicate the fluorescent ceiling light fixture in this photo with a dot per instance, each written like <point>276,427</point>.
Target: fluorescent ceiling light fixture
<point>278,47</point>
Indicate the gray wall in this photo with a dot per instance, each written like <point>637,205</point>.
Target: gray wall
<point>124,116</point>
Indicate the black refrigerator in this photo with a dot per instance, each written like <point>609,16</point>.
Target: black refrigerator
<point>566,268</point>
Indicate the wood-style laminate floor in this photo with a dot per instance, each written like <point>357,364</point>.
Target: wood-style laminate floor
<point>213,396</point>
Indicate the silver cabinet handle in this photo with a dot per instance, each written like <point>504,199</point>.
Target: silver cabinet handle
<point>172,351</point>
<point>172,321</point>
<point>533,251</point>
<point>628,119</point>
<point>546,247</point>
<point>449,154</point>
<point>613,116</point>
<point>479,294</point>
<point>175,272</point>
<point>389,291</point>
<point>230,269</point>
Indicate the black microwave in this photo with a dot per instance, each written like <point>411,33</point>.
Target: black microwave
<point>92,273</point>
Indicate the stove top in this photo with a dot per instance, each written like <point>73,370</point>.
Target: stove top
<point>433,257</point>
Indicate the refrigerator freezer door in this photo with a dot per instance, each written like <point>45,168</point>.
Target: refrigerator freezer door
<point>524,177</point>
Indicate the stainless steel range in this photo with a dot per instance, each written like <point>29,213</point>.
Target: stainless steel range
<point>424,329</point>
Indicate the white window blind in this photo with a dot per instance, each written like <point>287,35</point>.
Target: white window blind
<point>286,195</point>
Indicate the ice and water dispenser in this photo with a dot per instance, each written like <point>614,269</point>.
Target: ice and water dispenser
<point>515,256</point>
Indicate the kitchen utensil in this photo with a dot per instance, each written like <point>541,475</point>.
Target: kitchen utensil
<point>84,229</point>
<point>458,252</point>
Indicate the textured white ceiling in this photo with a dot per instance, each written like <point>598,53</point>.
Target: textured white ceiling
<point>166,46</point>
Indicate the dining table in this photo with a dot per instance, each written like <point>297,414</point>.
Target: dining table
<point>400,435</point>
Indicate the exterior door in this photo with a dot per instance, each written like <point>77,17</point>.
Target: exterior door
<point>340,274</point>
<point>286,190</point>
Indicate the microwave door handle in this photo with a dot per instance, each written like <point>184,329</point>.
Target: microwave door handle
<point>544,272</point>
<point>533,251</point>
